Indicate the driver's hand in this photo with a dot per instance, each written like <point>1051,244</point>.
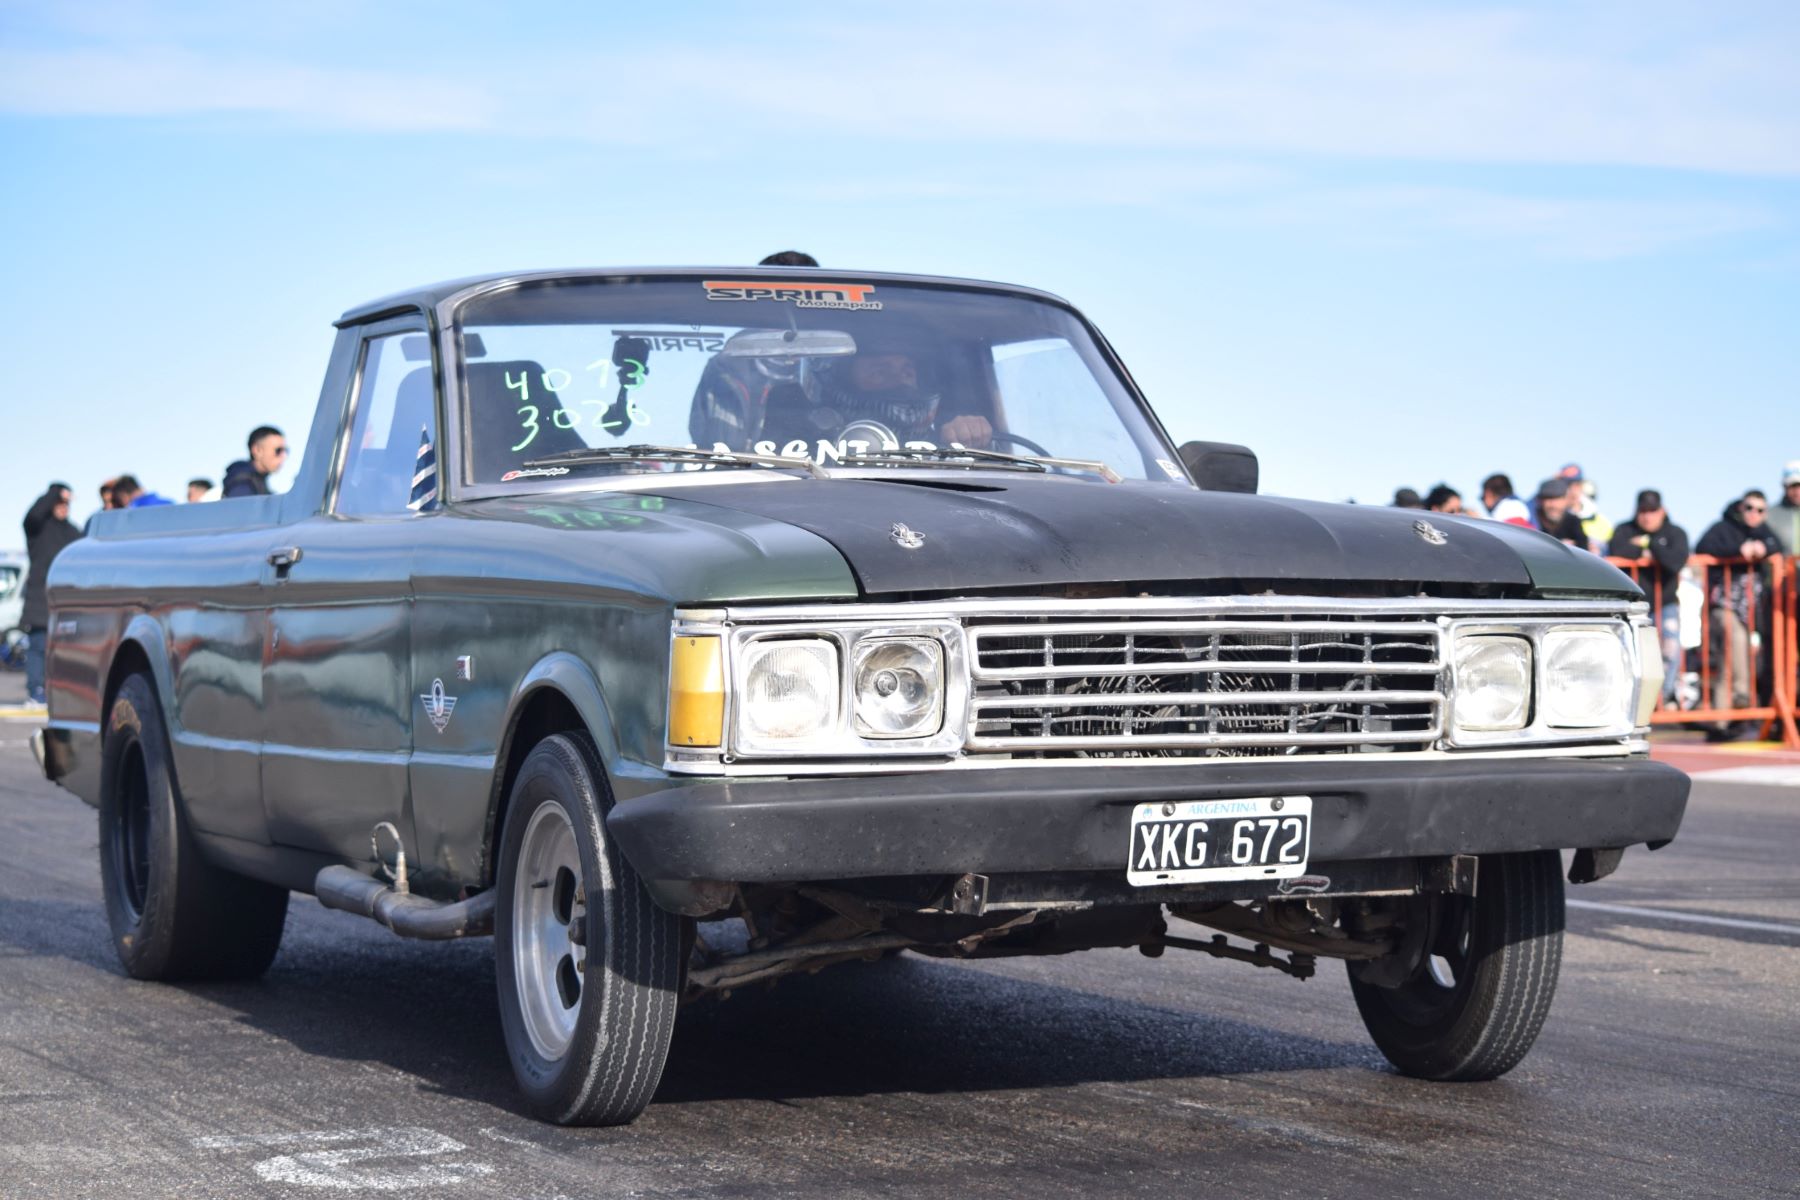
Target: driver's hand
<point>972,431</point>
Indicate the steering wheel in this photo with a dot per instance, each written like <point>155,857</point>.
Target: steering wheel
<point>1006,435</point>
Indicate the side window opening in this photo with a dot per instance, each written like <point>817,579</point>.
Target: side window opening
<point>390,463</point>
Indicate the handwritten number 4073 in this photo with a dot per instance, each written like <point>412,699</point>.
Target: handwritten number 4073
<point>555,380</point>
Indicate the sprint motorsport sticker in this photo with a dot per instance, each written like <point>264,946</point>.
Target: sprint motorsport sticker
<point>813,295</point>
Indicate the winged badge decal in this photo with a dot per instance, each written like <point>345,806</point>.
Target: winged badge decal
<point>438,706</point>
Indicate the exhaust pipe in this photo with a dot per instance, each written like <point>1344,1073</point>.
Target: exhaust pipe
<point>349,890</point>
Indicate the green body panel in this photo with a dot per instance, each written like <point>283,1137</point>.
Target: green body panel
<point>378,677</point>
<point>1559,571</point>
<point>309,691</point>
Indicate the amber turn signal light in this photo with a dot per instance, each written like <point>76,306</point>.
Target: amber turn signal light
<point>696,692</point>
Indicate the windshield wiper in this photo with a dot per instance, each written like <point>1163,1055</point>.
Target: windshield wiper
<point>948,455</point>
<point>645,453</point>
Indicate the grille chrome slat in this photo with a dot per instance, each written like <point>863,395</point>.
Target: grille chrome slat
<point>1160,699</point>
<point>1144,741</point>
<point>1241,666</point>
<point>1214,686</point>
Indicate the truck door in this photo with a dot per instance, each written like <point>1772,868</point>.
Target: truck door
<point>339,705</point>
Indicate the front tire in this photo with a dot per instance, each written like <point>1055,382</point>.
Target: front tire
<point>1478,998</point>
<point>173,914</point>
<point>589,968</point>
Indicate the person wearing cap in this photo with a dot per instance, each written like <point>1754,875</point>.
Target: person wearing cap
<point>1659,547</point>
<point>1583,498</point>
<point>1553,515</point>
<point>1784,517</point>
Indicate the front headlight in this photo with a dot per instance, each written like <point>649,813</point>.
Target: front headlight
<point>1493,683</point>
<point>899,687</point>
<point>1587,679</point>
<point>790,693</point>
<point>817,690</point>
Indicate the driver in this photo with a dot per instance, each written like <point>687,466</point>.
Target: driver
<point>880,383</point>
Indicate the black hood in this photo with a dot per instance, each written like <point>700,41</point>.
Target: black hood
<point>1038,531</point>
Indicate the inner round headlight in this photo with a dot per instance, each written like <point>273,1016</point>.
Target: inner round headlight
<point>790,693</point>
<point>1587,682</point>
<point>1493,683</point>
<point>899,687</point>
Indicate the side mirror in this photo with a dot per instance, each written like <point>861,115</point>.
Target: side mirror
<point>1221,466</point>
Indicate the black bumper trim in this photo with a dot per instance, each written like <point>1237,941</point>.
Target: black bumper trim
<point>1078,818</point>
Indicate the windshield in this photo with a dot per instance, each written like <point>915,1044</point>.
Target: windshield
<point>798,367</point>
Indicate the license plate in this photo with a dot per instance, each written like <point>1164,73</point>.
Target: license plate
<point>1204,841</point>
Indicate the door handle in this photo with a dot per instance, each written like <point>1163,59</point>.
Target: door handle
<point>283,557</point>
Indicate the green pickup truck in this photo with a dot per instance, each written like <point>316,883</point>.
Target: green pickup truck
<point>681,629</point>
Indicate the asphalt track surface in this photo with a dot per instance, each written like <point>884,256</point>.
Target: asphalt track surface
<point>364,1064</point>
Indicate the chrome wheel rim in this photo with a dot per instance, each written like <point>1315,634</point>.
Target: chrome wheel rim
<point>548,930</point>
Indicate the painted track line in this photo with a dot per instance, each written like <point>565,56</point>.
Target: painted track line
<point>1668,914</point>
<point>1771,774</point>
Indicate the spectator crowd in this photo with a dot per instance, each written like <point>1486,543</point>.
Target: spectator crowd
<point>48,529</point>
<point>1735,593</point>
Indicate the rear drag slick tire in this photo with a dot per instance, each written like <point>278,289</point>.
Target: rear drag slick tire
<point>173,915</point>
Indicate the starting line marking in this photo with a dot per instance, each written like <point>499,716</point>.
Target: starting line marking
<point>1668,914</point>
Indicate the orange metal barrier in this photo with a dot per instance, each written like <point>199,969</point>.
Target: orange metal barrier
<point>1740,618</point>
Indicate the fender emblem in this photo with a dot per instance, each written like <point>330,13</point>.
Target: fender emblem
<point>1430,533</point>
<point>905,538</point>
<point>437,705</point>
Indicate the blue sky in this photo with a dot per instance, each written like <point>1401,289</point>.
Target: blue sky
<point>1384,243</point>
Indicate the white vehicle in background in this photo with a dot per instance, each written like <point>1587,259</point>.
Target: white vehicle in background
<point>13,564</point>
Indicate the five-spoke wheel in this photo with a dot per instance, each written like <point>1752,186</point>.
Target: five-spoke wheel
<point>589,967</point>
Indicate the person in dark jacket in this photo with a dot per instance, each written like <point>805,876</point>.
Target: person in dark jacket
<point>1734,594</point>
<point>47,531</point>
<point>1659,547</point>
<point>1553,515</point>
<point>250,476</point>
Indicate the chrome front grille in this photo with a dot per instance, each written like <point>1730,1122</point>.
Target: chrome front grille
<point>1226,687</point>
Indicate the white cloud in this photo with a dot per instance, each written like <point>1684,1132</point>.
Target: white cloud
<point>160,81</point>
<point>1650,83</point>
<point>1596,83</point>
<point>1561,226</point>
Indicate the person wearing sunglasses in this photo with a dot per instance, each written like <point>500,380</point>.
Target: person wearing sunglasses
<point>1735,594</point>
<point>250,476</point>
